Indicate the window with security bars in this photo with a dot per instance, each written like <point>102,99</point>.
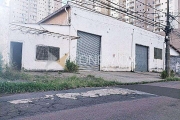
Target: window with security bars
<point>157,53</point>
<point>47,53</point>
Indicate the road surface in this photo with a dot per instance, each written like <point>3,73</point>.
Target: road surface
<point>155,101</point>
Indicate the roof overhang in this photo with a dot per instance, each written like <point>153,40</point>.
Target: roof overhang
<point>40,29</point>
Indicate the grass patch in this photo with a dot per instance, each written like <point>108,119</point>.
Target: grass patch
<point>12,82</point>
<point>40,83</point>
<point>173,79</point>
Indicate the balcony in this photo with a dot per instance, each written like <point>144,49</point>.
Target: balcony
<point>131,1</point>
<point>131,6</point>
<point>157,3</point>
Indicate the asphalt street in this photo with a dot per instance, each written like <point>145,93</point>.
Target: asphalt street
<point>156,101</point>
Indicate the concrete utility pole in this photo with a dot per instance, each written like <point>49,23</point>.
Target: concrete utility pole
<point>167,40</point>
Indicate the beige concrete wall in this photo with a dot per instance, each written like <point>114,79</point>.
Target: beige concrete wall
<point>60,18</point>
<point>104,10</point>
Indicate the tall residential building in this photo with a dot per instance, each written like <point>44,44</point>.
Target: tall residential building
<point>148,14</point>
<point>4,27</point>
<point>152,11</point>
<point>161,5</point>
<point>32,11</point>
<point>143,10</point>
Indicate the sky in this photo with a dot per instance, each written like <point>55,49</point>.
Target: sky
<point>5,2</point>
<point>64,2</point>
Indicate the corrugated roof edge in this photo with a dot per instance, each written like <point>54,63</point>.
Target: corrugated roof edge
<point>54,13</point>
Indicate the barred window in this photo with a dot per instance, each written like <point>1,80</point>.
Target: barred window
<point>157,53</point>
<point>47,53</point>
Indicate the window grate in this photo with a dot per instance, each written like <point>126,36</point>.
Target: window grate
<point>47,53</point>
<point>157,53</point>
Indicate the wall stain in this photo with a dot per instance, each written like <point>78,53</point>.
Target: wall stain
<point>62,60</point>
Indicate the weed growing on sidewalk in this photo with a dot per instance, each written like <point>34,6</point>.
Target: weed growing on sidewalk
<point>164,74</point>
<point>1,64</point>
<point>173,79</point>
<point>41,84</point>
<point>71,66</point>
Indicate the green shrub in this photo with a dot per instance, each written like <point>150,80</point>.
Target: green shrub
<point>10,73</point>
<point>164,74</point>
<point>1,64</point>
<point>70,66</point>
<point>172,74</point>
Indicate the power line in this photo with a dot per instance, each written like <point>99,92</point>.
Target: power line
<point>136,17</point>
<point>132,16</point>
<point>132,11</point>
<point>146,20</point>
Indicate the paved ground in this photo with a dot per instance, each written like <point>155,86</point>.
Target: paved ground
<point>155,108</point>
<point>156,101</point>
<point>124,77</point>
<point>35,103</point>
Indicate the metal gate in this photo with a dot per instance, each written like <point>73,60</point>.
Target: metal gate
<point>88,51</point>
<point>16,54</point>
<point>141,58</point>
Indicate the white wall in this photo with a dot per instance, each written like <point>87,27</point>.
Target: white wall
<point>30,41</point>
<point>173,52</point>
<point>116,40</point>
<point>4,26</point>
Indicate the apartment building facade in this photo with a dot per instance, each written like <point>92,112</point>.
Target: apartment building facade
<point>153,12</point>
<point>146,14</point>
<point>31,11</point>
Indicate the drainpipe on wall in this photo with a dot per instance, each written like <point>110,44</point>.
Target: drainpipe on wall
<point>132,60</point>
<point>68,22</point>
<point>164,56</point>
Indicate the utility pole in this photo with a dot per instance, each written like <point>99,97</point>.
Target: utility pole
<point>167,40</point>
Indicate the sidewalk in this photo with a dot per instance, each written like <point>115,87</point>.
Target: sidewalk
<point>125,77</point>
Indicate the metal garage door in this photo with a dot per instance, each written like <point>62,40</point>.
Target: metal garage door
<point>88,51</point>
<point>141,58</point>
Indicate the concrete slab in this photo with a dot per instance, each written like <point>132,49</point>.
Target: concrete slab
<point>124,77</point>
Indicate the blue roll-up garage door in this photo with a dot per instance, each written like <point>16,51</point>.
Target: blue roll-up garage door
<point>141,58</point>
<point>88,51</point>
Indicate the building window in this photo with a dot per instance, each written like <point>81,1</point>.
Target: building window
<point>157,53</point>
<point>47,53</point>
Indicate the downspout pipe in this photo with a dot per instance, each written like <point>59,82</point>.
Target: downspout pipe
<point>67,16</point>
<point>132,59</point>
<point>69,33</point>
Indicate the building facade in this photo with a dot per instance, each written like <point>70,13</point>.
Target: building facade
<point>152,11</point>
<point>147,14</point>
<point>31,11</point>
<point>4,28</point>
<point>108,44</point>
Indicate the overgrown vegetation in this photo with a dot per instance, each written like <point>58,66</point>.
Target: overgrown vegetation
<point>164,74</point>
<point>41,84</point>
<point>70,66</point>
<point>172,79</point>
<point>1,64</point>
<point>13,81</point>
<point>11,73</point>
